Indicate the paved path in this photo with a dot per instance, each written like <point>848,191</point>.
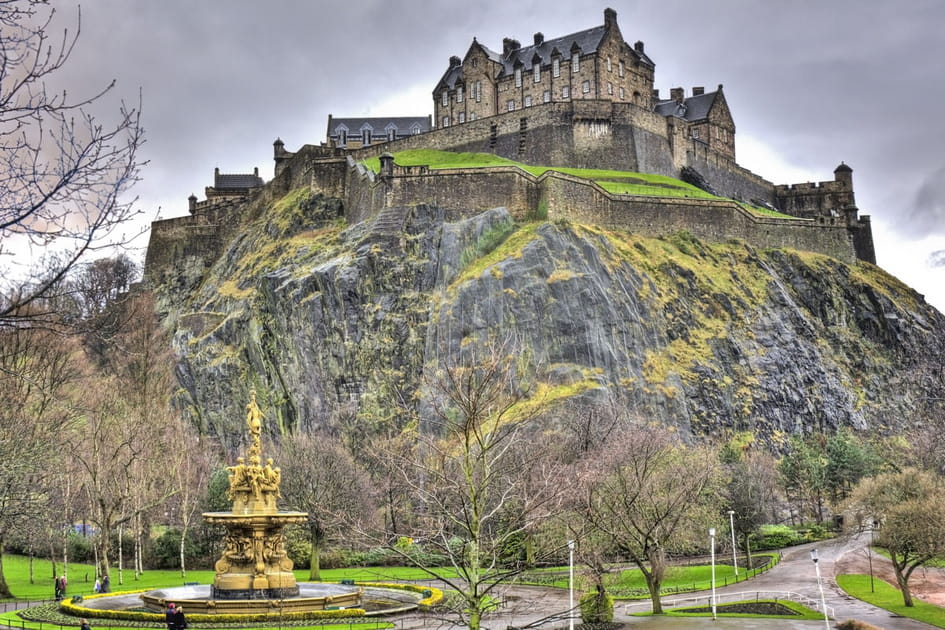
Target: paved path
<point>544,607</point>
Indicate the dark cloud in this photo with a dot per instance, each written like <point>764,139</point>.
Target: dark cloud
<point>926,214</point>
<point>817,82</point>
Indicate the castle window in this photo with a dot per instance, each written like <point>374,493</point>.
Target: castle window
<point>620,68</point>
<point>556,67</point>
<point>391,134</point>
<point>459,94</point>
<point>365,137</point>
<point>537,73</point>
<point>546,97</point>
<point>622,94</point>
<point>610,68</point>
<point>528,101</point>
<point>518,77</point>
<point>511,105</point>
<point>610,88</point>
<point>445,98</point>
<point>446,121</point>
<point>695,134</point>
<point>462,117</point>
<point>566,92</point>
<point>342,137</point>
<point>576,62</point>
<point>478,85</point>
<point>586,87</point>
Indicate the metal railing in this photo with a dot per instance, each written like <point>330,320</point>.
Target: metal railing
<point>729,598</point>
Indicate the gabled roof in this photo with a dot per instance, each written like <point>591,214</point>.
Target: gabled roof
<point>403,124</point>
<point>691,109</point>
<point>222,181</point>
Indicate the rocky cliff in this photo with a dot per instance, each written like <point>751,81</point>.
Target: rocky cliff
<point>337,324</point>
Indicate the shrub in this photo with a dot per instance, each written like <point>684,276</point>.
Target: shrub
<point>854,624</point>
<point>776,537</point>
<point>597,607</point>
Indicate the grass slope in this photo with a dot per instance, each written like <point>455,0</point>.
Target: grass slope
<point>889,598</point>
<point>617,182</point>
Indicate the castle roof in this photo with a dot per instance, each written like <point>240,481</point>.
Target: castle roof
<point>586,41</point>
<point>693,108</point>
<point>224,181</point>
<point>403,125</point>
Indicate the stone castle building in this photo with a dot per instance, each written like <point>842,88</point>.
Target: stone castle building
<point>585,100</point>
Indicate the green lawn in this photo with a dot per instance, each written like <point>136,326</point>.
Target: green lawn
<point>617,182</point>
<point>722,610</point>
<point>889,598</point>
<point>82,577</point>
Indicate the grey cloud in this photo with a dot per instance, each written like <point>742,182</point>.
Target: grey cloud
<point>937,258</point>
<point>926,213</point>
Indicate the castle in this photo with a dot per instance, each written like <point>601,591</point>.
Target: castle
<point>584,100</point>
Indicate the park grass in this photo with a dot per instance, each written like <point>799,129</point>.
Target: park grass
<point>630,584</point>
<point>802,612</point>
<point>616,182</point>
<point>889,598</point>
<point>82,577</point>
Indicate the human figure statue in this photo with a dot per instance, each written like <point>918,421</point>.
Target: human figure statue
<point>254,418</point>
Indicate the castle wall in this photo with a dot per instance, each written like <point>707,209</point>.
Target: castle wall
<point>728,178</point>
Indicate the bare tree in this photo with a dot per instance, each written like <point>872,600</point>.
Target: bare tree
<point>478,478</point>
<point>645,493</point>
<point>319,477</point>
<point>64,174</point>
<point>910,508</point>
<point>37,370</point>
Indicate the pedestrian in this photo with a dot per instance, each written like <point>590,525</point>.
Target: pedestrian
<point>62,585</point>
<point>57,587</point>
<point>180,622</point>
<point>98,586</point>
<point>169,617</point>
<point>106,584</point>
<point>85,625</point>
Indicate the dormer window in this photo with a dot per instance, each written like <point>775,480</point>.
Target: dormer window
<point>459,94</point>
<point>556,67</point>
<point>342,137</point>
<point>537,73</point>
<point>575,61</point>
<point>365,137</point>
<point>518,77</point>
<point>391,134</point>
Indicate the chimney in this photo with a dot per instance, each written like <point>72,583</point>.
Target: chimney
<point>455,61</point>
<point>509,45</point>
<point>698,91</point>
<point>256,171</point>
<point>539,39</point>
<point>638,47</point>
<point>677,94</point>
<point>610,18</point>
<point>656,95</point>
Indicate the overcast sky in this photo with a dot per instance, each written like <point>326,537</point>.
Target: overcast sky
<point>810,83</point>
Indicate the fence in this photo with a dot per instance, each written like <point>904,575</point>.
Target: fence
<point>728,598</point>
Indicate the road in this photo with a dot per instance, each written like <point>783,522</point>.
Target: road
<point>545,607</point>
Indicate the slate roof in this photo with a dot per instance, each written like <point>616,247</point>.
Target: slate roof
<point>224,181</point>
<point>587,41</point>
<point>691,109</point>
<point>403,124</point>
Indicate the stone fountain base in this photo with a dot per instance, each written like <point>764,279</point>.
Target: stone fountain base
<point>200,600</point>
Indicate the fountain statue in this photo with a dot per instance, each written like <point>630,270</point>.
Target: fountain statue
<point>254,564</point>
<point>254,574</point>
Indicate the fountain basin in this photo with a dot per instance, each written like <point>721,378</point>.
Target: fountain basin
<point>199,599</point>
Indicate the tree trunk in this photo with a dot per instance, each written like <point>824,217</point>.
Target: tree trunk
<point>653,585</point>
<point>121,559</point>
<point>902,579</point>
<point>314,560</point>
<point>183,540</point>
<point>4,589</point>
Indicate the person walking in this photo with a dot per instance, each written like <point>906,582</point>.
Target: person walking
<point>85,625</point>
<point>106,584</point>
<point>56,588</point>
<point>98,586</point>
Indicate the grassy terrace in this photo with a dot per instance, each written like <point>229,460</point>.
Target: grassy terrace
<point>617,182</point>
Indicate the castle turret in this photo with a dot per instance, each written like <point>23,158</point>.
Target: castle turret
<point>844,174</point>
<point>192,203</point>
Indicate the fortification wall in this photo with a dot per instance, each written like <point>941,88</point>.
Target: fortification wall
<point>814,199</point>
<point>728,178</point>
<point>463,192</point>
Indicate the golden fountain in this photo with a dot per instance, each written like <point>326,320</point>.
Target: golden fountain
<point>254,574</point>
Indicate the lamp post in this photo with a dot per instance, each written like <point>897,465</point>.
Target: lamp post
<point>712,552</point>
<point>869,551</point>
<point>731,526</point>
<point>820,585</point>
<point>570,585</point>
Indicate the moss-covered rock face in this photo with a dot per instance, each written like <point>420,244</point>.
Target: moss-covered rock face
<point>338,324</point>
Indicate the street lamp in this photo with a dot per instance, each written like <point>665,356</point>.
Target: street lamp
<point>570,585</point>
<point>712,551</point>
<point>814,558</point>
<point>731,526</point>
